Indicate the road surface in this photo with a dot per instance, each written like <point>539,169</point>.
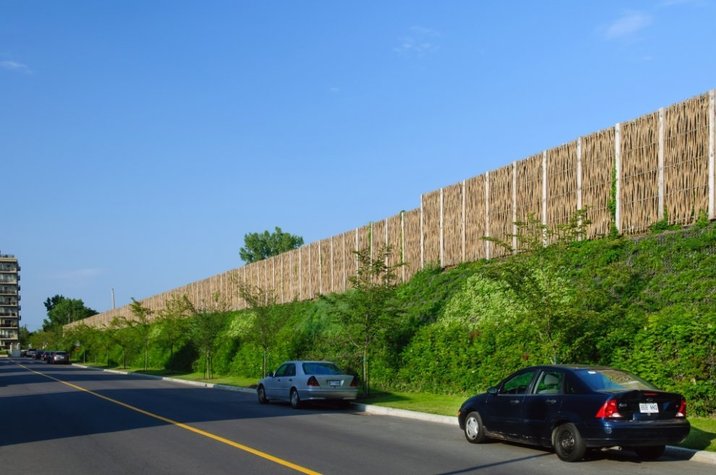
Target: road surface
<point>71,420</point>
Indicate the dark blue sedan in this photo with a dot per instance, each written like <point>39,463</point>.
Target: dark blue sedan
<point>576,408</point>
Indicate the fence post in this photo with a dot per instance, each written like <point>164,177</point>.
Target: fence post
<point>463,222</point>
<point>487,215</point>
<point>712,152</point>
<point>355,248</point>
<point>579,173</point>
<point>343,261</point>
<point>442,228</point>
<point>618,167</point>
<point>544,195</point>
<point>514,207</point>
<point>422,240</point>
<point>310,273</point>
<point>320,269</point>
<point>300,272</point>
<point>660,172</point>
<point>386,243</point>
<point>402,244</point>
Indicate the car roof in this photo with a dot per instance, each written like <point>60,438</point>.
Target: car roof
<point>308,361</point>
<point>570,366</point>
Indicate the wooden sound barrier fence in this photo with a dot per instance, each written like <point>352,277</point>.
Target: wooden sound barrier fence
<point>657,167</point>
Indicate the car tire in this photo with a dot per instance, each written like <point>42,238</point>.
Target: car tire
<point>261,392</point>
<point>474,429</point>
<point>295,399</point>
<point>568,443</point>
<point>651,452</point>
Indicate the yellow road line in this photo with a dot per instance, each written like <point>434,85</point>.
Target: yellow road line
<point>204,433</point>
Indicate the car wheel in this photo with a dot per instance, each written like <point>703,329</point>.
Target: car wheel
<point>262,395</point>
<point>295,399</point>
<point>568,443</point>
<point>650,452</point>
<point>474,430</point>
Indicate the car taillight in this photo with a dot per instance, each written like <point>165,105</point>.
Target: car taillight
<point>608,409</point>
<point>682,408</point>
<point>354,383</point>
<point>312,381</point>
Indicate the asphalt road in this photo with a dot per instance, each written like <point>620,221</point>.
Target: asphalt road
<point>70,420</point>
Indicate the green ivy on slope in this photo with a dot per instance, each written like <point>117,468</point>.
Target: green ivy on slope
<point>647,305</point>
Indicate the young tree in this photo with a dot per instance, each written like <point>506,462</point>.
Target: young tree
<point>366,311</point>
<point>174,322</point>
<point>24,336</point>
<point>122,334</point>
<point>141,323</point>
<point>78,339</point>
<point>266,318</point>
<point>259,246</point>
<point>206,325</point>
<point>539,279</point>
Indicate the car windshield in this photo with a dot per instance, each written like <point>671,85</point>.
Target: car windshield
<point>612,380</point>
<point>320,368</point>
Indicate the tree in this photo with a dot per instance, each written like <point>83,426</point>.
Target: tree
<point>79,339</point>
<point>259,246</point>
<point>366,310</point>
<point>539,280</point>
<point>62,310</point>
<point>121,333</point>
<point>206,325</point>
<point>24,336</point>
<point>141,323</point>
<point>266,319</point>
<point>174,322</point>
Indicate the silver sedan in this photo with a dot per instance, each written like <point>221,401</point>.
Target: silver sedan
<point>299,381</point>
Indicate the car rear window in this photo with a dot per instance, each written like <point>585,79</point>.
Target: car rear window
<point>612,380</point>
<point>320,368</point>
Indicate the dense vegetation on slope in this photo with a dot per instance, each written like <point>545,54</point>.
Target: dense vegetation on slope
<point>647,305</point>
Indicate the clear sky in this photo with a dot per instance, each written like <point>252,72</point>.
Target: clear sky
<point>140,140</point>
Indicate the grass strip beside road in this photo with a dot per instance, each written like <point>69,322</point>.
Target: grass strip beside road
<point>702,436</point>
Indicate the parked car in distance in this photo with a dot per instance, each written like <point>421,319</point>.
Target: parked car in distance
<point>574,408</point>
<point>58,357</point>
<point>30,352</point>
<point>299,381</point>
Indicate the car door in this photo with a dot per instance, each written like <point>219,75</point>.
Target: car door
<point>505,412</point>
<point>543,405</point>
<point>272,384</point>
<point>284,381</point>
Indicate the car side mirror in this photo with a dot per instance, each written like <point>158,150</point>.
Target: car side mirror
<point>492,391</point>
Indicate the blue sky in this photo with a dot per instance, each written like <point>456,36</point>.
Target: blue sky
<point>141,140</point>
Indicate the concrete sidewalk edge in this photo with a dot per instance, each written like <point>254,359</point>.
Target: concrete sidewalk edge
<point>702,456</point>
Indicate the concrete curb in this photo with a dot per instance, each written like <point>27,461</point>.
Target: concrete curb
<point>701,456</point>
<point>187,382</point>
<point>420,416</point>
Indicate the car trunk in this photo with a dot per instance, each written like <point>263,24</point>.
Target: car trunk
<point>643,405</point>
<point>334,381</point>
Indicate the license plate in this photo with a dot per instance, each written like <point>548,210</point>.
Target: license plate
<point>648,408</point>
<point>334,383</point>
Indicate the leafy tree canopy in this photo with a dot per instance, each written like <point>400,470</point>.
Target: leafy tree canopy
<point>259,246</point>
<point>62,310</point>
